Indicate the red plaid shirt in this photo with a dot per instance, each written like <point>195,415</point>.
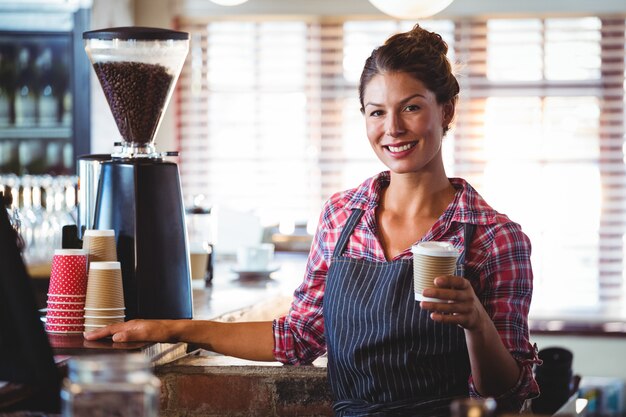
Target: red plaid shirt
<point>498,267</point>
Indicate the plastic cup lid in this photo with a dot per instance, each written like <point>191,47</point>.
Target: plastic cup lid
<point>435,249</point>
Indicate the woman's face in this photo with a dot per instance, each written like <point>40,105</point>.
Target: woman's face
<point>404,122</point>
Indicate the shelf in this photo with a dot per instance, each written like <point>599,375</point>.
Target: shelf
<point>53,132</point>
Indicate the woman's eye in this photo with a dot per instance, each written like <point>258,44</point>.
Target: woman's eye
<point>411,107</point>
<point>376,113</point>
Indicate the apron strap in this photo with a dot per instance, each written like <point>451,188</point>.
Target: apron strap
<point>354,218</point>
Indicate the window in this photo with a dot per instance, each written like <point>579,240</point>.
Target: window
<point>540,133</point>
<point>269,121</point>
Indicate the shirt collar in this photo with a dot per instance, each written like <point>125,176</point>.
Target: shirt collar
<point>467,207</point>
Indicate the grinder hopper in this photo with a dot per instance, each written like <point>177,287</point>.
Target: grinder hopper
<point>139,193</point>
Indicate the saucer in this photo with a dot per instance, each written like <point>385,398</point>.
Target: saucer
<point>253,273</point>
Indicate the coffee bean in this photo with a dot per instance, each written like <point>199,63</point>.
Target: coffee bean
<point>136,93</point>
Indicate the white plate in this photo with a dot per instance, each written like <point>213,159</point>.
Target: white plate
<point>244,272</point>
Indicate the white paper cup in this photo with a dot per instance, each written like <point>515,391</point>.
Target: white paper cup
<point>431,260</point>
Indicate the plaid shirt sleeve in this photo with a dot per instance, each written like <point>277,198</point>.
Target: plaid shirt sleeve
<point>506,291</point>
<point>299,336</point>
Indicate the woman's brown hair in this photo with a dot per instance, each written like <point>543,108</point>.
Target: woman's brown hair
<point>417,52</point>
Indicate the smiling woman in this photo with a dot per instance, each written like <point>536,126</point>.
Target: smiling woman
<point>393,349</point>
<point>540,118</point>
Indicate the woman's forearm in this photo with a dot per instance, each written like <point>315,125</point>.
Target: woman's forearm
<point>246,340</point>
<point>494,370</point>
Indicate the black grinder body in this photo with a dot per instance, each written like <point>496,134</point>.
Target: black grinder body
<point>141,199</point>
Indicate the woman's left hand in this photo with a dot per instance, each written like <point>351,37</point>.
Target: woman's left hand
<point>463,307</point>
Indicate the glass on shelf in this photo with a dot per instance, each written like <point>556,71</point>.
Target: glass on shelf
<point>43,204</point>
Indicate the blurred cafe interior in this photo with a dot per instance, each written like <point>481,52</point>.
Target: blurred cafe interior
<point>264,125</point>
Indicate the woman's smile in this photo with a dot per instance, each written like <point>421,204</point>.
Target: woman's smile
<point>400,149</point>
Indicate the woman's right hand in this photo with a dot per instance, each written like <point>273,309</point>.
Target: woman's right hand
<point>135,331</point>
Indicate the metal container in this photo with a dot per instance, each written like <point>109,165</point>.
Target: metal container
<point>89,167</point>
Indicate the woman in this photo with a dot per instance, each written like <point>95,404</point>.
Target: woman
<point>387,353</point>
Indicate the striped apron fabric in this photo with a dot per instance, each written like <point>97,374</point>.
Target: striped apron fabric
<point>386,357</point>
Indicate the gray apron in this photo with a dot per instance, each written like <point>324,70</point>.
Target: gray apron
<point>386,357</point>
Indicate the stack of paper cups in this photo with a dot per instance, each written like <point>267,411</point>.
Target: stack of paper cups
<point>66,291</point>
<point>104,303</point>
<point>100,245</point>
<point>432,260</point>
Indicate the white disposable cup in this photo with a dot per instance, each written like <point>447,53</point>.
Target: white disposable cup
<point>431,260</point>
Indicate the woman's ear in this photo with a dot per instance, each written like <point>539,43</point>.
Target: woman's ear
<point>448,110</point>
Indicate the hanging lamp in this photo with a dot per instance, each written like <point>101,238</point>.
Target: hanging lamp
<point>229,2</point>
<point>410,9</point>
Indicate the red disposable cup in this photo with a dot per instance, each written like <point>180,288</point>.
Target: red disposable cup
<point>69,272</point>
<point>65,328</point>
<point>56,298</point>
<point>64,320</point>
<point>66,306</point>
<point>65,313</point>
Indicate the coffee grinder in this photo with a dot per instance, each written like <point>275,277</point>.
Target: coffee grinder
<point>139,193</point>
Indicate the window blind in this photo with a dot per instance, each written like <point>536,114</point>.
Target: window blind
<point>269,121</point>
<point>540,133</point>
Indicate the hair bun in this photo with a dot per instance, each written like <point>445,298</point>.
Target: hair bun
<point>428,39</point>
